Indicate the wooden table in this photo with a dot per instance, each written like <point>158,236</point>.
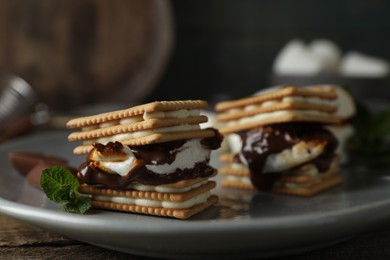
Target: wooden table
<point>21,241</point>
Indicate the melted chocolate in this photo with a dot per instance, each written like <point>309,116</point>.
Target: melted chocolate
<point>214,142</point>
<point>155,154</point>
<point>25,161</point>
<point>31,165</point>
<point>91,175</point>
<point>263,141</point>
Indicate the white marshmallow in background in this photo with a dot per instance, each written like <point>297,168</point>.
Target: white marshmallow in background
<point>355,64</point>
<point>323,56</point>
<point>327,52</point>
<point>297,58</point>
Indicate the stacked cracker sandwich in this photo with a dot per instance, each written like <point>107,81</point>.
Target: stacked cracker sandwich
<point>149,159</point>
<point>281,141</point>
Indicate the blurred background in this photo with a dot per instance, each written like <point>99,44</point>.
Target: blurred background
<point>227,48</point>
<point>80,52</point>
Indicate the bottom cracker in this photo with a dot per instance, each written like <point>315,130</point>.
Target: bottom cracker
<point>326,180</point>
<point>162,212</point>
<point>236,184</point>
<point>311,190</point>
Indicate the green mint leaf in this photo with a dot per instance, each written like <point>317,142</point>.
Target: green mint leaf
<point>382,124</point>
<point>61,186</point>
<point>370,143</point>
<point>64,194</point>
<point>83,205</point>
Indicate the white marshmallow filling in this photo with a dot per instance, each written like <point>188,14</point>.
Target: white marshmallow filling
<point>187,156</point>
<point>276,114</point>
<point>269,103</point>
<point>202,198</point>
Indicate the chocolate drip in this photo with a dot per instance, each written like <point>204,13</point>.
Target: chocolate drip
<point>142,175</point>
<point>214,142</point>
<point>263,141</point>
<point>155,154</point>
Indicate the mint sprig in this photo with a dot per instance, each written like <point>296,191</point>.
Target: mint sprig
<point>61,186</point>
<point>370,144</point>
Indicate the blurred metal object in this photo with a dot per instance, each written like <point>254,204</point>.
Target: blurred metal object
<point>17,98</point>
<point>17,102</point>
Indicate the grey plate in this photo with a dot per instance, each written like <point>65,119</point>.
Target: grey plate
<point>243,224</point>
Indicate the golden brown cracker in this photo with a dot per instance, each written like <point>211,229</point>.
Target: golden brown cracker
<point>135,111</point>
<point>297,176</point>
<point>285,105</point>
<point>150,195</point>
<point>307,178</point>
<point>227,183</point>
<point>227,157</point>
<point>320,92</point>
<point>154,138</point>
<point>244,171</point>
<point>312,189</point>
<point>162,212</point>
<point>288,116</point>
<point>139,126</point>
<point>185,183</point>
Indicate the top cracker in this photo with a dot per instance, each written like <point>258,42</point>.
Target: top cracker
<point>157,106</point>
<point>318,91</point>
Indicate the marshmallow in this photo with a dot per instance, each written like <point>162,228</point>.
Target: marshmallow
<point>295,59</point>
<point>327,52</point>
<point>355,64</point>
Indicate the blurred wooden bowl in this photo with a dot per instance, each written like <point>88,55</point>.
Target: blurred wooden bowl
<point>76,52</point>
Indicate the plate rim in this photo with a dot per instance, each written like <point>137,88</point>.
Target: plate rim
<point>359,217</point>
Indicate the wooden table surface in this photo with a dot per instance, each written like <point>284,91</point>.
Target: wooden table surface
<point>22,241</point>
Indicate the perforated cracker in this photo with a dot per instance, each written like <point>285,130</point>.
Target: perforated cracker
<point>279,106</point>
<point>228,170</point>
<point>312,190</point>
<point>135,111</point>
<point>318,91</point>
<point>154,138</point>
<point>287,116</point>
<point>227,157</point>
<point>300,176</point>
<point>236,184</point>
<point>162,212</point>
<point>135,127</point>
<point>149,195</point>
<point>185,183</point>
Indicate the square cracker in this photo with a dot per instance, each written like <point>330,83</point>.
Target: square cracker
<point>149,195</point>
<point>324,184</point>
<point>156,106</point>
<point>314,183</point>
<point>227,183</point>
<point>311,190</point>
<point>149,124</point>
<point>287,116</point>
<point>154,138</point>
<point>317,91</point>
<point>162,212</point>
<point>239,172</point>
<point>284,105</point>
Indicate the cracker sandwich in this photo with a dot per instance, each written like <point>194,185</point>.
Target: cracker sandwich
<point>149,159</point>
<point>280,139</point>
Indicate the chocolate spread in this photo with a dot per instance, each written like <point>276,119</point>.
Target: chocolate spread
<point>155,154</point>
<point>263,141</point>
<point>31,165</point>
